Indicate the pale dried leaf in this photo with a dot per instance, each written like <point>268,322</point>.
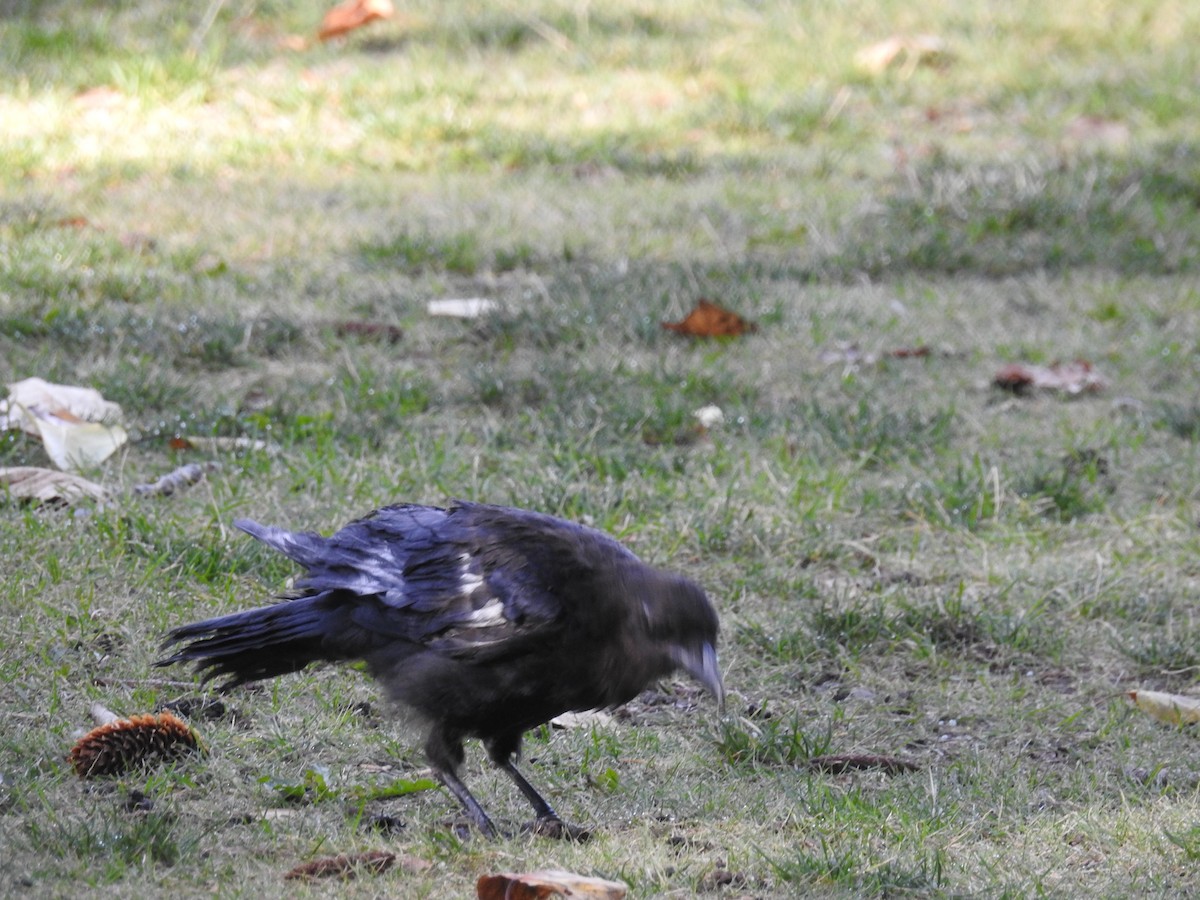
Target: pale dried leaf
<point>47,485</point>
<point>1174,709</point>
<point>465,308</point>
<point>570,720</point>
<point>64,400</point>
<point>73,444</point>
<point>547,883</point>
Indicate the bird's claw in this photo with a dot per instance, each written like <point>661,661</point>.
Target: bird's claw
<point>556,829</point>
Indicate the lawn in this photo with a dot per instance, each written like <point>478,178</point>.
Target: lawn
<point>236,233</point>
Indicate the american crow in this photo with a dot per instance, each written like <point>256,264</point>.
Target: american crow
<point>486,620</point>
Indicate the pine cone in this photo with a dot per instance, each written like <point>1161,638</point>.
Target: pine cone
<point>119,746</point>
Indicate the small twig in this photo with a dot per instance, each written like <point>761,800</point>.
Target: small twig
<point>182,477</point>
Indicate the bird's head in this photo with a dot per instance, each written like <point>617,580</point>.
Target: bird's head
<point>683,621</point>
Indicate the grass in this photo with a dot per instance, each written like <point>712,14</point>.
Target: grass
<point>907,562</point>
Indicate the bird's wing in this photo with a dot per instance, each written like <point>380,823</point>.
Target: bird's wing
<point>459,579</point>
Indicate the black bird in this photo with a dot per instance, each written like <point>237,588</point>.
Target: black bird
<point>486,620</point>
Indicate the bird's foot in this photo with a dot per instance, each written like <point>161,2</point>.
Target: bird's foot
<point>556,828</point>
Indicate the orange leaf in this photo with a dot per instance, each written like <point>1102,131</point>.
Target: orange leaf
<point>710,320</point>
<point>918,352</point>
<point>353,14</point>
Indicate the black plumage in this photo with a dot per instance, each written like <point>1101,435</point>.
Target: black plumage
<point>486,620</point>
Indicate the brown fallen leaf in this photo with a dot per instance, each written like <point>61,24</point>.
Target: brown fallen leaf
<point>1076,377</point>
<point>708,319</point>
<point>546,883</point>
<point>919,352</point>
<point>352,14</point>
<point>47,485</point>
<point>347,865</point>
<point>378,330</point>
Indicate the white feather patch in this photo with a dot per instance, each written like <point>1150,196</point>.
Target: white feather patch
<point>469,582</point>
<point>491,613</point>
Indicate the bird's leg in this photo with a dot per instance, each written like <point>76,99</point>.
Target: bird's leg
<point>541,808</point>
<point>469,804</point>
<point>444,750</point>
<point>547,823</point>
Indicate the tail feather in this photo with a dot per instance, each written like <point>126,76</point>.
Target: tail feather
<point>258,643</point>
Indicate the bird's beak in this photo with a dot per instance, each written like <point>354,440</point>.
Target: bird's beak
<point>702,665</point>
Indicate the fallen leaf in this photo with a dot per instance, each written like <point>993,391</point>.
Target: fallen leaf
<point>71,444</point>
<point>905,52</point>
<point>919,352</point>
<point>380,330</point>
<point>84,404</point>
<point>47,485</point>
<point>1174,709</point>
<point>708,319</point>
<point>1076,377</point>
<point>468,308</point>
<point>547,883</point>
<point>352,14</point>
<point>570,720</point>
<point>347,865</point>
<point>77,425</point>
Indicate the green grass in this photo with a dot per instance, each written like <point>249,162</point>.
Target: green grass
<point>908,563</point>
